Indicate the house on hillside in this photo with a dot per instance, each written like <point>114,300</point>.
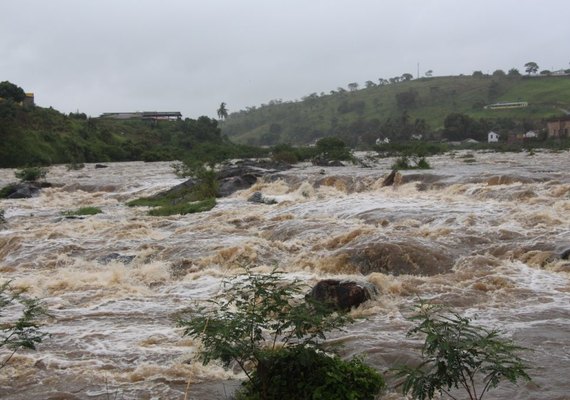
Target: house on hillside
<point>493,137</point>
<point>559,127</point>
<point>531,135</point>
<point>380,141</point>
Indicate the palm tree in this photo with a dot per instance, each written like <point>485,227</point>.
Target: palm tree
<point>222,111</point>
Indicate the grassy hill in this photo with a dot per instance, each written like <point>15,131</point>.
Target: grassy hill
<point>398,110</point>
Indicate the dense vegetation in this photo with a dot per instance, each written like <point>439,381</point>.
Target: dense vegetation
<point>31,135</point>
<point>450,107</point>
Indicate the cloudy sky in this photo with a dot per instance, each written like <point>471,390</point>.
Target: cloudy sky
<point>97,56</point>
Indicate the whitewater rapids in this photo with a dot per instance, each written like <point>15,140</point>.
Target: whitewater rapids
<point>482,233</point>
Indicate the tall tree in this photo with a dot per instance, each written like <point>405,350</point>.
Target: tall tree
<point>353,86</point>
<point>11,92</point>
<point>222,111</point>
<point>531,67</point>
<point>407,77</point>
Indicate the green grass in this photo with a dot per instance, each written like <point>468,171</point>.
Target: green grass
<point>83,211</point>
<point>184,208</point>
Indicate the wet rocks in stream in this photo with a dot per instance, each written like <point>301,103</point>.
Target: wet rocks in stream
<point>342,295</point>
<point>257,197</point>
<point>23,190</point>
<point>399,258</point>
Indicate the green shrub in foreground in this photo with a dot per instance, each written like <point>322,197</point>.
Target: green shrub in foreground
<point>305,373</point>
<point>276,336</point>
<point>458,355</point>
<point>23,332</point>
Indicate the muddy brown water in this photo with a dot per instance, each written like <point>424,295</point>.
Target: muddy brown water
<point>484,237</point>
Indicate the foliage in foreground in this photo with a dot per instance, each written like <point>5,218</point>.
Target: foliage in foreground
<point>306,373</point>
<point>458,355</point>
<point>24,332</point>
<point>265,326</point>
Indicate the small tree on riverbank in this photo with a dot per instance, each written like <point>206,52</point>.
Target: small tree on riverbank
<point>456,354</point>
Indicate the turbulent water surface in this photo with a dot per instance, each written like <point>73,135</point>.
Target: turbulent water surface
<point>484,237</point>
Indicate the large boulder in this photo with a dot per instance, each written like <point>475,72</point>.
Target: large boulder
<point>232,184</point>
<point>401,257</point>
<point>342,295</point>
<point>23,190</point>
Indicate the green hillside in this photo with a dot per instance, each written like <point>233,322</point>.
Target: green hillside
<point>31,135</point>
<point>399,110</point>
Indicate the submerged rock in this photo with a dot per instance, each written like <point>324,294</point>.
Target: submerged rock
<point>399,258</point>
<point>257,197</point>
<point>342,295</point>
<point>115,257</point>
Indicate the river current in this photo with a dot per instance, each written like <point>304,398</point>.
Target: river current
<point>483,233</point>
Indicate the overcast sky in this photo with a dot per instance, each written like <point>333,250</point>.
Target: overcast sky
<point>185,55</point>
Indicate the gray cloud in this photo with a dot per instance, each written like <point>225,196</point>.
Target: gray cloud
<point>119,55</point>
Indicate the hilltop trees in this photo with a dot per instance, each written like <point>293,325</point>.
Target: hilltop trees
<point>531,67</point>
<point>12,92</point>
<point>222,111</point>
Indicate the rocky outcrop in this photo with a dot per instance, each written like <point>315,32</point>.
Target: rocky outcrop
<point>342,295</point>
<point>23,190</point>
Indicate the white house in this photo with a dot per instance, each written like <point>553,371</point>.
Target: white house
<point>530,135</point>
<point>380,141</point>
<point>493,137</point>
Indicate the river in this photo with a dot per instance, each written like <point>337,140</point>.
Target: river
<point>479,232</point>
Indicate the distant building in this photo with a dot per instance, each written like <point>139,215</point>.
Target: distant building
<point>506,105</point>
<point>29,100</point>
<point>558,128</point>
<point>531,135</point>
<point>382,141</point>
<point>493,137</point>
<point>145,115</point>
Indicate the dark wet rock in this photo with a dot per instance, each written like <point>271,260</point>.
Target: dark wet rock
<point>389,180</point>
<point>342,295</point>
<point>23,190</point>
<point>323,162</point>
<point>115,257</point>
<point>399,258</point>
<point>99,166</point>
<point>565,255</point>
<point>232,184</point>
<point>257,197</point>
